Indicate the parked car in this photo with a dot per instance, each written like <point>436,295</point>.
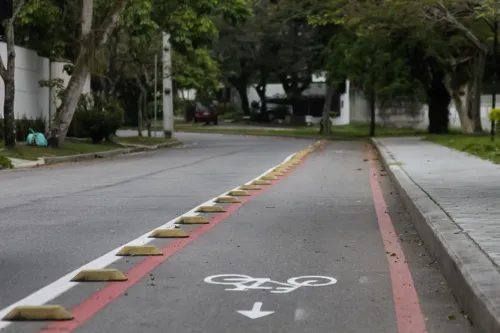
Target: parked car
<point>205,114</point>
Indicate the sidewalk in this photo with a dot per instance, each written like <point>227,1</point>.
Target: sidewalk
<point>454,202</point>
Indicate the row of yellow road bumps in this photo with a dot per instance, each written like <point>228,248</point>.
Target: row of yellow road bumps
<point>58,313</point>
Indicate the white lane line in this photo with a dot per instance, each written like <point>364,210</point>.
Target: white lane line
<point>60,286</point>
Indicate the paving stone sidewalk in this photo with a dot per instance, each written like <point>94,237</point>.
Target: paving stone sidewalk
<point>464,186</point>
<point>467,189</point>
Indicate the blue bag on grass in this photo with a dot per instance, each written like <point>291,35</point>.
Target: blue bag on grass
<point>36,139</point>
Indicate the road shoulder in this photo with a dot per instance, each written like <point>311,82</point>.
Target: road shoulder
<point>127,149</point>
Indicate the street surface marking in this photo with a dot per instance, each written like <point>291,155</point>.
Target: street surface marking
<point>256,311</point>
<point>245,282</point>
<point>409,314</point>
<point>63,284</point>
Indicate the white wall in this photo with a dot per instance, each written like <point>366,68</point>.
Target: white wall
<point>31,100</point>
<point>275,90</point>
<point>418,117</point>
<point>187,94</point>
<point>317,88</point>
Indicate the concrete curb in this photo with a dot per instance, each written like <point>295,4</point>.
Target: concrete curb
<point>107,154</point>
<point>473,277</point>
<point>281,136</point>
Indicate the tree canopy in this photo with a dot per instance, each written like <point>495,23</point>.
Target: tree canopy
<point>397,52</point>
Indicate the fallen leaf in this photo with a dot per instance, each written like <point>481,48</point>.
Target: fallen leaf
<point>452,317</point>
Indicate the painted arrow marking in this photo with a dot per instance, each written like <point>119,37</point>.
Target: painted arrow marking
<point>256,311</point>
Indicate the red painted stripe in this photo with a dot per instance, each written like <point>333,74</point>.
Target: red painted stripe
<point>409,314</point>
<point>88,308</point>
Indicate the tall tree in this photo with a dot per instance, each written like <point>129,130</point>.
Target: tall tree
<point>236,50</point>
<point>93,37</point>
<point>7,71</point>
<point>391,53</point>
<point>473,21</point>
<point>299,50</point>
<point>181,19</point>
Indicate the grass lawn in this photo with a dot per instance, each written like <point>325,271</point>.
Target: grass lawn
<point>68,148</point>
<point>352,131</point>
<point>480,146</point>
<point>145,141</point>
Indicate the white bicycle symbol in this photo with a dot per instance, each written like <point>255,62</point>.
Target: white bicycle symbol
<point>245,282</point>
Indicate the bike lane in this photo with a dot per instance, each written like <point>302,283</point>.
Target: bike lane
<point>307,255</point>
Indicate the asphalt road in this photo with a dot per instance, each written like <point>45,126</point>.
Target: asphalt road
<point>319,221</point>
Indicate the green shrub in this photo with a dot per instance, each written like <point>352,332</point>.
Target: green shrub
<point>280,112</point>
<point>179,106</point>
<point>224,108</point>
<point>228,111</point>
<point>96,118</point>
<point>23,125</point>
<point>5,163</point>
<point>159,109</point>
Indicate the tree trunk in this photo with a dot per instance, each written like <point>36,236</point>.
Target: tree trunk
<point>61,119</point>
<point>261,92</point>
<point>326,124</point>
<point>261,89</point>
<point>373,109</point>
<point>478,89</point>
<point>462,99</point>
<point>145,112</point>
<point>139,115</point>
<point>242,91</point>
<point>297,118</point>
<point>7,74</point>
<point>438,100</point>
<point>90,44</point>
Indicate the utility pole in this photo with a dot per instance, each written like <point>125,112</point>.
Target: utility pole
<point>168,107</point>
<point>494,90</point>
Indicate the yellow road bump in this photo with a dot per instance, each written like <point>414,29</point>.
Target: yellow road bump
<point>38,313</point>
<point>192,220</point>
<point>97,275</point>
<point>169,233</point>
<point>143,250</point>
<point>250,187</point>
<point>269,177</point>
<point>239,193</point>
<point>227,200</point>
<point>210,209</point>
<point>261,182</point>
<point>274,174</point>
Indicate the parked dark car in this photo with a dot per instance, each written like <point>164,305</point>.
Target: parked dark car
<point>205,114</point>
